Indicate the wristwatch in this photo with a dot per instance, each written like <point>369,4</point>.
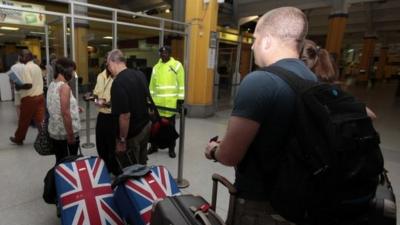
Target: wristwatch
<point>212,153</point>
<point>121,140</point>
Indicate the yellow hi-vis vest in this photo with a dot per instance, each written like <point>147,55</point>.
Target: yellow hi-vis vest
<point>167,84</point>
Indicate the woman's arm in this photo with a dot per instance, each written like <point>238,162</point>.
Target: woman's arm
<point>65,94</point>
<point>370,113</point>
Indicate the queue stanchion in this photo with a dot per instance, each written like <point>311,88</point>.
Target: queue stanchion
<point>398,86</point>
<point>88,144</point>
<point>181,182</point>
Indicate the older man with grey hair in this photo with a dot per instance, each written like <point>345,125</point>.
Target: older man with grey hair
<point>129,103</point>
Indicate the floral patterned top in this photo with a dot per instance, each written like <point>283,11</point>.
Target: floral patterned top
<point>56,123</point>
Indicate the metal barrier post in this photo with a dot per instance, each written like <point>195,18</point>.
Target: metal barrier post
<point>182,183</point>
<point>88,144</point>
<point>398,87</point>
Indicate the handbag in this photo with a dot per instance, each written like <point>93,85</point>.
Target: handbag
<point>49,188</point>
<point>383,205</point>
<point>163,133</point>
<point>43,144</point>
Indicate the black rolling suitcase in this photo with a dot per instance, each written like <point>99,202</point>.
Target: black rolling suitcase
<point>194,210</point>
<point>184,210</point>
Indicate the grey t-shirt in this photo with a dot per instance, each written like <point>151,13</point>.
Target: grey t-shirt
<point>268,100</point>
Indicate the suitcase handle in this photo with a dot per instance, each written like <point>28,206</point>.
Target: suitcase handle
<point>198,213</point>
<point>232,198</point>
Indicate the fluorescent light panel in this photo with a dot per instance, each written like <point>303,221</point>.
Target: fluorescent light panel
<point>107,37</point>
<point>9,28</point>
<point>35,32</point>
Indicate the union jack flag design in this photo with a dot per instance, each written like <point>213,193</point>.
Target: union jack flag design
<point>85,194</point>
<point>135,197</point>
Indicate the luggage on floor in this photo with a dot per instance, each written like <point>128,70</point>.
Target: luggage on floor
<point>383,205</point>
<point>184,210</point>
<point>190,209</point>
<point>138,188</point>
<point>84,193</point>
<point>216,178</point>
<point>49,190</point>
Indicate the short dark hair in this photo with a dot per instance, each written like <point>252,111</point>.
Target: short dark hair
<point>65,67</point>
<point>25,55</point>
<point>165,48</point>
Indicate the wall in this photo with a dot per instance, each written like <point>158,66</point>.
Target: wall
<point>151,55</point>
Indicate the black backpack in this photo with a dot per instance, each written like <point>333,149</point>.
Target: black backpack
<point>333,161</point>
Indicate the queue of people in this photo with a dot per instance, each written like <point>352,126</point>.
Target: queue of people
<point>258,127</point>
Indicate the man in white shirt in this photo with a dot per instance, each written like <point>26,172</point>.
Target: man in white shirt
<point>32,99</point>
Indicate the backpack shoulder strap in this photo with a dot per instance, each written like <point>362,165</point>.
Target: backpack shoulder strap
<point>292,79</point>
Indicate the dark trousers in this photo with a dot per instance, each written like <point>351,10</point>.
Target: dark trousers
<point>63,149</point>
<point>172,120</point>
<point>105,140</point>
<point>32,108</point>
<point>256,213</point>
<point>136,150</point>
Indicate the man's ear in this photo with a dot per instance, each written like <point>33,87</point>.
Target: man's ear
<point>266,42</point>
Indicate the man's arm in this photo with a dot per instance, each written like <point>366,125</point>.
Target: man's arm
<point>123,119</point>
<point>239,135</point>
<point>24,86</point>
<point>152,85</point>
<point>99,84</point>
<point>26,78</point>
<point>181,82</point>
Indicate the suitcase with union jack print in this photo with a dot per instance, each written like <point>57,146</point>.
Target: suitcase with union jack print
<point>135,196</point>
<point>84,193</point>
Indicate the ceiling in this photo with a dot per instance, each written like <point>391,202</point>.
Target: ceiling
<point>365,17</point>
<point>380,17</point>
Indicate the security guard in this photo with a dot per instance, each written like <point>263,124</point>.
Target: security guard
<point>167,87</point>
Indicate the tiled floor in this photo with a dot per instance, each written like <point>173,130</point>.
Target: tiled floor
<point>22,170</point>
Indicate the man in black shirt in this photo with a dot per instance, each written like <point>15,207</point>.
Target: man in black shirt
<point>260,122</point>
<point>128,100</point>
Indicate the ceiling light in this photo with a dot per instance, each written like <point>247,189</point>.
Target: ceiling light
<point>35,32</point>
<point>167,11</point>
<point>107,37</point>
<point>9,28</point>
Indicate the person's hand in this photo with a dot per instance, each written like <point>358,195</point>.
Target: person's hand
<point>100,102</point>
<point>211,146</point>
<point>80,109</point>
<point>120,148</point>
<point>370,113</point>
<point>70,139</point>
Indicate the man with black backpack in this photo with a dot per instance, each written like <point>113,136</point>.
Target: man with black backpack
<point>298,155</point>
